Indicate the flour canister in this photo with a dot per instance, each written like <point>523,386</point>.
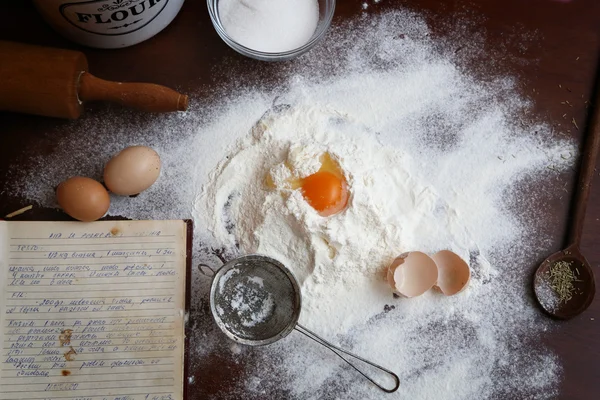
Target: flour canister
<point>108,23</point>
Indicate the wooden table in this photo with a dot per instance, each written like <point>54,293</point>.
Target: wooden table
<point>557,64</point>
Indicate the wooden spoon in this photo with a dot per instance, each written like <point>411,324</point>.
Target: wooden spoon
<point>584,286</point>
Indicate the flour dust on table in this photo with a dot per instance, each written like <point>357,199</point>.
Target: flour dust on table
<point>434,159</point>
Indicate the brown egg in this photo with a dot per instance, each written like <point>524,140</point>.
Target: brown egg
<point>453,272</point>
<point>132,171</point>
<point>83,198</point>
<point>412,274</point>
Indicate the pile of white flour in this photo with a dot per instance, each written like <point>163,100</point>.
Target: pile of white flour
<point>435,159</point>
<point>339,260</point>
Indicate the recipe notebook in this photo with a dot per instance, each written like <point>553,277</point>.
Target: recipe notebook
<point>93,311</point>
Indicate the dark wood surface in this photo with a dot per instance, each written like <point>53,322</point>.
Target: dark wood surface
<point>562,43</point>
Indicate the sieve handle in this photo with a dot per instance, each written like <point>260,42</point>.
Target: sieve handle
<point>338,350</point>
<point>206,270</point>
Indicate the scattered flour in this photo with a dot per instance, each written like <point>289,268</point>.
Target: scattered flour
<point>435,158</point>
<point>547,296</point>
<point>432,156</point>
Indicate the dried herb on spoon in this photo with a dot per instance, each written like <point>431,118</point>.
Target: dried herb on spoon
<point>562,277</point>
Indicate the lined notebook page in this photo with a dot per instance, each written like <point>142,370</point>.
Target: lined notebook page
<point>92,311</point>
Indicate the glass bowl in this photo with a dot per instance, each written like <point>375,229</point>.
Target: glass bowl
<point>326,11</point>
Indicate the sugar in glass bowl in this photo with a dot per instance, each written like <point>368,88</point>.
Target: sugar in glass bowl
<point>326,11</point>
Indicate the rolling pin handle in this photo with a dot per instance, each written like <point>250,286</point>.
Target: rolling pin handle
<point>142,96</point>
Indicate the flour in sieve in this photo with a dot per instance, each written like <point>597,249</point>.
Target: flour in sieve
<point>248,299</point>
<point>251,304</point>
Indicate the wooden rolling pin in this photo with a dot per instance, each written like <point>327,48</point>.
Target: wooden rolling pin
<point>56,83</point>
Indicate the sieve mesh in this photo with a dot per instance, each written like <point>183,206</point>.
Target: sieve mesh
<point>255,300</point>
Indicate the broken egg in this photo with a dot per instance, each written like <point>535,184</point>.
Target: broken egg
<point>453,272</point>
<point>83,198</point>
<point>412,274</point>
<point>132,171</point>
<point>325,190</point>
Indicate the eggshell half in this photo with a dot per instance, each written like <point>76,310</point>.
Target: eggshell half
<point>83,198</point>
<point>412,274</point>
<point>453,272</point>
<point>132,171</point>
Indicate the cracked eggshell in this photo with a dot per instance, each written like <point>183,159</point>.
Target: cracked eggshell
<point>412,274</point>
<point>453,272</point>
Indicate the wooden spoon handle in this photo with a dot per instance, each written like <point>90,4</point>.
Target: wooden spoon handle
<point>586,171</point>
<point>142,96</point>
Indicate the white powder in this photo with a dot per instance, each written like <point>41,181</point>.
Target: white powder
<point>270,25</point>
<point>248,298</point>
<point>257,280</point>
<point>462,148</point>
<point>253,305</point>
<point>547,296</point>
<point>303,160</point>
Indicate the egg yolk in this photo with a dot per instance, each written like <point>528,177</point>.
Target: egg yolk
<point>325,192</point>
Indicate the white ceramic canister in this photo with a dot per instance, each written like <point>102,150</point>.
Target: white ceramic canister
<point>108,24</point>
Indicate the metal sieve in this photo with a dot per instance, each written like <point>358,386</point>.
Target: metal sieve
<point>255,300</point>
